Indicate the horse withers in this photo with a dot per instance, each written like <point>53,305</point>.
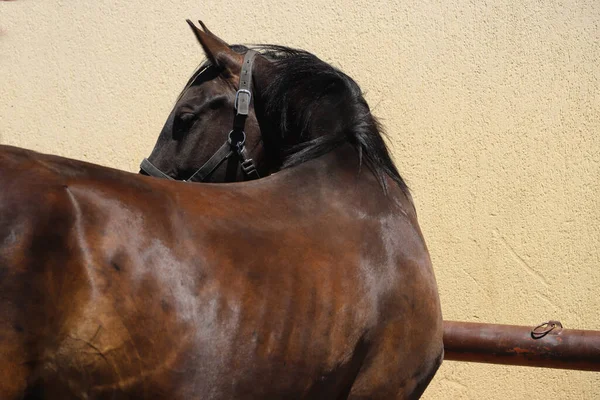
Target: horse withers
<point>314,282</point>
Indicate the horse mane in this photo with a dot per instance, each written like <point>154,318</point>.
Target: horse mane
<point>313,80</point>
<point>313,84</point>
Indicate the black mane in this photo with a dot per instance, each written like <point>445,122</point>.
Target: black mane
<point>303,87</point>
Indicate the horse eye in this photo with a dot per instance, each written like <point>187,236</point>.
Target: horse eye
<point>182,124</point>
<point>186,117</point>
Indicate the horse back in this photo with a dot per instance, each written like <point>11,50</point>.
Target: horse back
<point>41,280</point>
<point>75,317</point>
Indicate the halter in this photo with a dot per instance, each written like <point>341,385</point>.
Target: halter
<point>236,139</point>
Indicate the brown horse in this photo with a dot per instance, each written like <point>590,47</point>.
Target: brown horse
<point>314,282</point>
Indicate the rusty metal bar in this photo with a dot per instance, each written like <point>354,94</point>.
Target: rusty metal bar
<point>548,345</point>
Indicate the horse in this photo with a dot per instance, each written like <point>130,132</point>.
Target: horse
<point>311,282</point>
<point>211,89</point>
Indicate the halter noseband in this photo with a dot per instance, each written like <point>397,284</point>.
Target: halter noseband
<point>236,139</point>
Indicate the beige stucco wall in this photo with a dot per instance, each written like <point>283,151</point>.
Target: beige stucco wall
<point>492,107</point>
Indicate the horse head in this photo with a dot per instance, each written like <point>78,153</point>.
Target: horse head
<point>205,127</point>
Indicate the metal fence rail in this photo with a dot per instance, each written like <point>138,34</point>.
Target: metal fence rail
<point>548,345</point>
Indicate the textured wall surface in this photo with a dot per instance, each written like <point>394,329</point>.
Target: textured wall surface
<point>492,110</point>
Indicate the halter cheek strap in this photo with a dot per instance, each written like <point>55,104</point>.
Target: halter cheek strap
<point>243,98</point>
<point>244,93</point>
<point>236,139</point>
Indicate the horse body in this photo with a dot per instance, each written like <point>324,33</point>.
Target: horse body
<point>121,286</point>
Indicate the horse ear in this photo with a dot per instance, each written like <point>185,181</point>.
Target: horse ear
<point>217,51</point>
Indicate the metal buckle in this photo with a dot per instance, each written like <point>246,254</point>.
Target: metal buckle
<point>248,165</point>
<point>237,101</point>
<point>249,168</point>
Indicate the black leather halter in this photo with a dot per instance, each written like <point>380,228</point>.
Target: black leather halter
<point>236,139</point>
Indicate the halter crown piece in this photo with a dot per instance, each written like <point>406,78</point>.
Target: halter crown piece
<point>236,139</point>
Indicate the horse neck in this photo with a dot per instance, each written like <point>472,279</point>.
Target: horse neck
<point>340,169</point>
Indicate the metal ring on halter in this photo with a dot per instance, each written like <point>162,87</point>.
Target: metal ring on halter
<point>238,144</point>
